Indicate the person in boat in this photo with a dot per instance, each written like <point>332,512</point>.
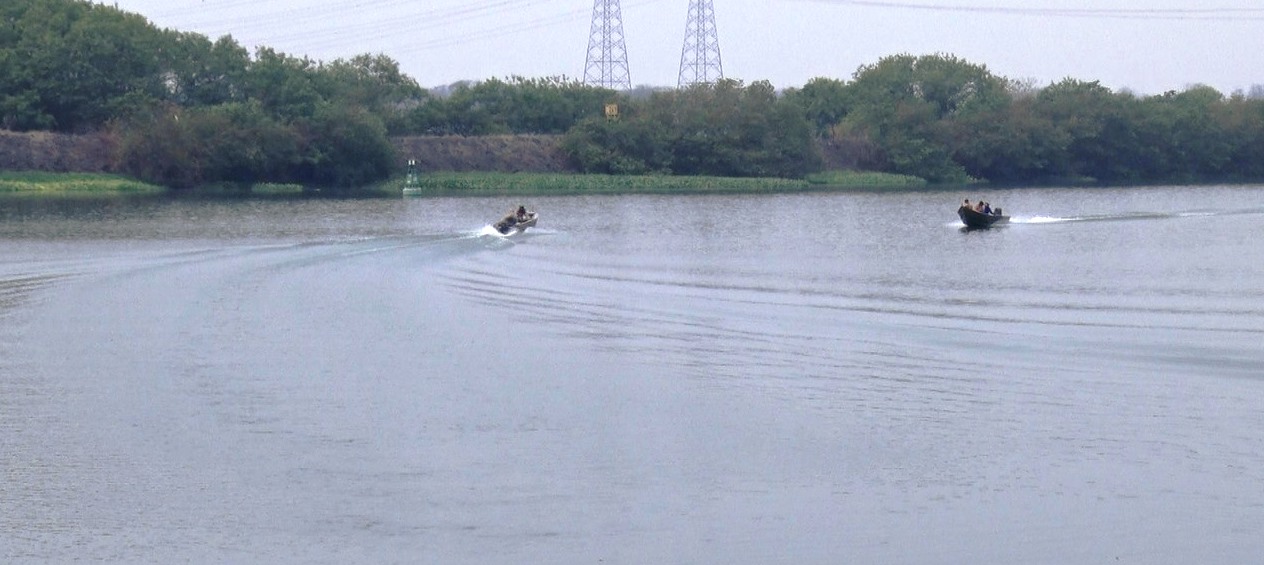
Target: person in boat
<point>512,219</point>
<point>987,208</point>
<point>966,204</point>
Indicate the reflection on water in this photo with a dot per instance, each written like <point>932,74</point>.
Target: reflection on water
<point>743,379</point>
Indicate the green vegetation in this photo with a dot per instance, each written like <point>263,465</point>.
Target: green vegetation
<point>542,184</point>
<point>865,179</point>
<point>188,112</point>
<point>950,121</point>
<point>724,129</point>
<point>71,182</point>
<point>497,107</point>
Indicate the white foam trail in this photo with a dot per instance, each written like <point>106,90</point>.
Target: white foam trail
<point>1041,220</point>
<point>489,230</point>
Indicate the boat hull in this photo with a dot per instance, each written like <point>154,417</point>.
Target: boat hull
<point>507,228</point>
<point>979,220</point>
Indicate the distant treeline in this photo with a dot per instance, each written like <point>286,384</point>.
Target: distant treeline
<point>183,110</point>
<point>947,120</point>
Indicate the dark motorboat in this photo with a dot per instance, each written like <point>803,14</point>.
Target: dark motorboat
<point>975,220</point>
<point>515,223</point>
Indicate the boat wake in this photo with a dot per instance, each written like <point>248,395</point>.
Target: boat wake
<point>1039,220</point>
<point>492,231</point>
<point>1134,216</point>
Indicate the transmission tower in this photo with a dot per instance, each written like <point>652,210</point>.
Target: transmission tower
<point>700,57</point>
<point>607,63</point>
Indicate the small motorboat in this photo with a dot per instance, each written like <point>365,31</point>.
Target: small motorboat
<point>977,220</point>
<point>514,223</point>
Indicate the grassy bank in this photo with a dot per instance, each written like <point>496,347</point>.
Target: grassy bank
<point>476,183</point>
<point>34,182</point>
<point>41,182</point>
<point>445,184</point>
<point>865,180</point>
<point>564,183</point>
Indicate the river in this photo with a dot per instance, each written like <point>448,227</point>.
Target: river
<point>795,378</point>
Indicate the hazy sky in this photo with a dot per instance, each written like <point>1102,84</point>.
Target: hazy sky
<point>1148,46</point>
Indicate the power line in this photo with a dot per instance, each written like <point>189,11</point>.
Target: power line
<point>402,24</point>
<point>307,22</point>
<point>221,13</point>
<point>1197,14</point>
<point>497,31</point>
<point>515,28</point>
<point>393,24</point>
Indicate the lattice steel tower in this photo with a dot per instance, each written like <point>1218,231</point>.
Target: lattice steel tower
<point>607,63</point>
<point>700,57</point>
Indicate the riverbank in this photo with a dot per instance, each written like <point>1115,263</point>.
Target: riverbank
<point>448,165</point>
<point>485,183</point>
<point>489,183</point>
<point>37,182</point>
<point>475,183</point>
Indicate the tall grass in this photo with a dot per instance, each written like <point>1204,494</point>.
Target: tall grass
<point>454,183</point>
<point>563,183</point>
<point>486,183</point>
<point>865,179</point>
<point>36,181</point>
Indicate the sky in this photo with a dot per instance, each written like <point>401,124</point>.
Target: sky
<point>1144,46</point>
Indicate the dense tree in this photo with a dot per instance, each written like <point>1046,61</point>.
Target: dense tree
<point>202,73</point>
<point>724,129</point>
<point>344,147</point>
<point>161,148</point>
<point>190,110</point>
<point>904,105</point>
<point>1242,120</point>
<point>946,84</point>
<point>71,65</point>
<point>285,85</point>
<point>1096,124</point>
<point>242,144</point>
<point>185,147</point>
<point>1013,144</point>
<point>823,101</point>
<point>1189,142</point>
<point>518,105</point>
<point>371,82</point>
<point>619,147</point>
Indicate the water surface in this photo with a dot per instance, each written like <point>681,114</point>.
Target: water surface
<point>797,378</point>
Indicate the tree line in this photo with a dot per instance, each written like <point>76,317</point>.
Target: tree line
<point>187,110</point>
<point>948,120</point>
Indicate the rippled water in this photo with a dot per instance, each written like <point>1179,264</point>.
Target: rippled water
<point>798,378</point>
